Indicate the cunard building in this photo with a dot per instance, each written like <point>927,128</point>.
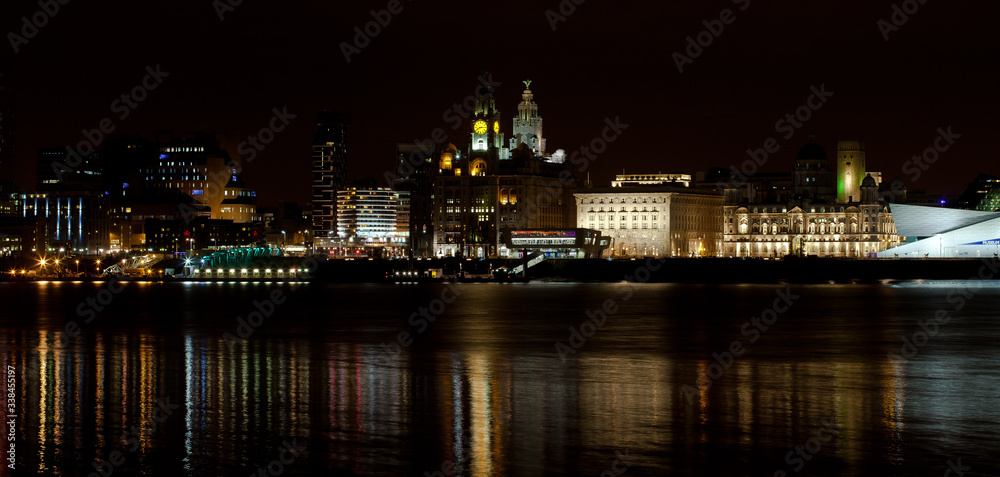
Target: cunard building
<point>829,212</point>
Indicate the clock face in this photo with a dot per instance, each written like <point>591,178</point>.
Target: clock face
<point>479,127</point>
<point>496,127</point>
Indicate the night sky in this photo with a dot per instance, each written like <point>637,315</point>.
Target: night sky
<point>607,59</point>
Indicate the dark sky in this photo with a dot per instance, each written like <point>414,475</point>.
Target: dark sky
<point>608,59</point>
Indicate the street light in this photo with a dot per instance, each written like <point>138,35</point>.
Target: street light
<point>77,267</point>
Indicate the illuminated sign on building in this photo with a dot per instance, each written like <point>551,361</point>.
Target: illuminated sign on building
<point>538,237</point>
<point>995,241</point>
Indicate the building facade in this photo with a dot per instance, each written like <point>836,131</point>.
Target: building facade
<point>329,172</point>
<point>196,165</point>
<point>487,189</point>
<point>654,220</point>
<point>808,222</point>
<point>373,217</point>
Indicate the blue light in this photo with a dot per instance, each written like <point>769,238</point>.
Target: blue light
<point>942,201</point>
<point>164,156</point>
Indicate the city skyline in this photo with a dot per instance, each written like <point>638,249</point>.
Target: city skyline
<point>706,116</point>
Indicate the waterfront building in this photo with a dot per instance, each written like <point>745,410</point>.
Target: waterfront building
<point>197,165</point>
<point>938,232</point>
<point>372,217</point>
<point>653,220</point>
<point>488,188</point>
<point>556,243</point>
<point>808,222</point>
<point>76,221</point>
<point>179,236</point>
<point>329,173</point>
<point>629,180</point>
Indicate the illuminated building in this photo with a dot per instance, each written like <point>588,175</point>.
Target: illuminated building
<point>239,203</point>
<point>557,243</point>
<point>528,124</point>
<point>981,194</point>
<point>488,189</point>
<point>68,169</point>
<point>74,220</point>
<point>372,216</point>
<point>654,220</point>
<point>938,232</point>
<point>810,223</point>
<point>180,236</point>
<point>196,165</point>
<point>329,172</point>
<point>850,170</point>
<point>628,180</point>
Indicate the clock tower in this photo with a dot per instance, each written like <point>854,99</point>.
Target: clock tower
<point>486,140</point>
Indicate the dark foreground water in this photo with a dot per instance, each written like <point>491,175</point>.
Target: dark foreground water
<point>153,385</point>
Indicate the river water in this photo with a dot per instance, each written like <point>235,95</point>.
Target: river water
<point>501,379</point>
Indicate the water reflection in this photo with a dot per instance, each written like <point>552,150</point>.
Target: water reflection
<point>489,408</point>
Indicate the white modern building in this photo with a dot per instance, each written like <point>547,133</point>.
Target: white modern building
<point>370,216</point>
<point>936,232</point>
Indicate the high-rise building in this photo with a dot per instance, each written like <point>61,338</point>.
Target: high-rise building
<point>329,172</point>
<point>850,170</point>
